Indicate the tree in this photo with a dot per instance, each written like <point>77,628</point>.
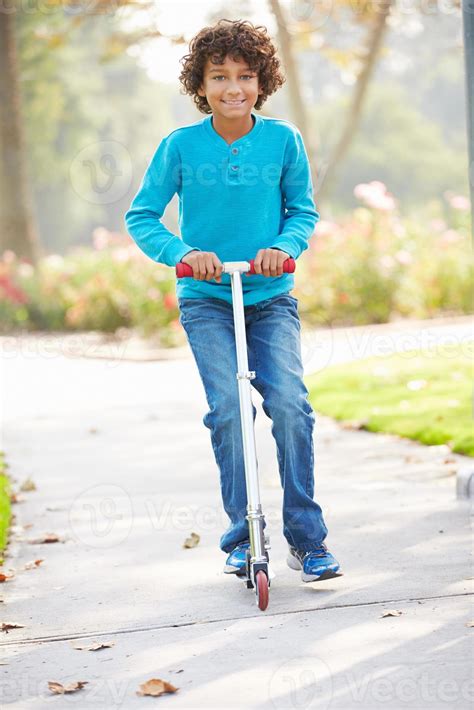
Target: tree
<point>17,226</point>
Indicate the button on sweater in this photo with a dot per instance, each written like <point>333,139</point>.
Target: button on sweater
<point>234,199</point>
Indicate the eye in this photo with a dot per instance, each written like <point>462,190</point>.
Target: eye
<point>244,76</point>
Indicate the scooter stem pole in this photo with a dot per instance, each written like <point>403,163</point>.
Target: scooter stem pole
<point>254,508</point>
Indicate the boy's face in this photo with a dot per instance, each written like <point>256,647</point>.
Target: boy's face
<point>231,88</point>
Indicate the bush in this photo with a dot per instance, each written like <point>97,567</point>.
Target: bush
<point>373,267</point>
<point>370,267</point>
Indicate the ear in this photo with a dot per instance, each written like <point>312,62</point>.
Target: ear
<point>201,91</point>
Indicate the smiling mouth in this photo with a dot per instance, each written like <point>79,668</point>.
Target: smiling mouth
<point>233,103</point>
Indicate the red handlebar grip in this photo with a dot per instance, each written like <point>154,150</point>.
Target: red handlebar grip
<point>288,266</point>
<point>183,270</point>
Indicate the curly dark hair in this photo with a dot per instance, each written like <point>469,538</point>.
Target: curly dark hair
<point>238,39</point>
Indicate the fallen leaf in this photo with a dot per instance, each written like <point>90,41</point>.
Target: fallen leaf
<point>95,646</point>
<point>391,612</point>
<point>355,424</point>
<point>28,525</point>
<point>469,623</point>
<point>56,687</point>
<point>6,626</point>
<point>449,460</point>
<point>49,537</point>
<point>28,485</point>
<point>412,459</point>
<point>156,687</point>
<point>6,577</point>
<point>34,564</point>
<point>15,498</point>
<point>192,541</point>
<point>93,430</point>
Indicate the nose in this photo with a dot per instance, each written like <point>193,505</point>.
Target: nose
<point>233,89</point>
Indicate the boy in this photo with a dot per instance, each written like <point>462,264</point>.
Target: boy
<point>245,191</point>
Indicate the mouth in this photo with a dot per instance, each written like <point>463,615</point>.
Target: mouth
<point>233,103</point>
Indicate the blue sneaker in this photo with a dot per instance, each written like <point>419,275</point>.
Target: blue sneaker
<point>315,565</point>
<point>235,562</point>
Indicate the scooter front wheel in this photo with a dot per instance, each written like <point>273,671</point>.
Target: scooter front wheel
<point>261,590</point>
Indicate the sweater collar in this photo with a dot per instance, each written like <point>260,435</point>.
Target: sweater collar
<point>218,140</point>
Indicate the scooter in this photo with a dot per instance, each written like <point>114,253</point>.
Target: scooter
<point>258,574</point>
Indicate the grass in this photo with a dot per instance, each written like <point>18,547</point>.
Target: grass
<point>5,509</point>
<point>420,394</point>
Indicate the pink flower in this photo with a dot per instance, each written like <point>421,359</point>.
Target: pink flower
<point>121,255</point>
<point>324,228</point>
<point>459,202</point>
<point>100,238</point>
<point>9,256</point>
<point>438,225</point>
<point>450,236</point>
<point>11,292</point>
<point>403,256</point>
<point>169,301</point>
<point>153,294</point>
<point>375,195</point>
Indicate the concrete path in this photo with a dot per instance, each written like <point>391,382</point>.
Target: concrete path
<point>124,473</point>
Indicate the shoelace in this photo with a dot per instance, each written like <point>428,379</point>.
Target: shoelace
<point>320,551</point>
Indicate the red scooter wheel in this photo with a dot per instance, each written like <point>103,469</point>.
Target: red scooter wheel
<point>262,590</point>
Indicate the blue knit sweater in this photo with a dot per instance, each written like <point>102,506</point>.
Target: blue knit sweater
<point>234,199</point>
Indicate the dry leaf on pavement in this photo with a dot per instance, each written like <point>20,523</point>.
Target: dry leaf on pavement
<point>6,626</point>
<point>95,646</point>
<point>5,577</point>
<point>28,485</point>
<point>33,564</point>
<point>192,541</point>
<point>391,612</point>
<point>49,537</point>
<point>56,687</point>
<point>156,687</point>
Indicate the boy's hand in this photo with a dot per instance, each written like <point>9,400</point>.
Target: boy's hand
<point>269,262</point>
<point>205,265</point>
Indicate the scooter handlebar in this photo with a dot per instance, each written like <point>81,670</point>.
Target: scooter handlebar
<point>184,270</point>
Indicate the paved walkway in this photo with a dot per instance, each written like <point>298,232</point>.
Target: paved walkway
<point>124,473</point>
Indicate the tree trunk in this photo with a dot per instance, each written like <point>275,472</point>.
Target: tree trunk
<point>298,111</point>
<point>354,112</point>
<point>17,229</point>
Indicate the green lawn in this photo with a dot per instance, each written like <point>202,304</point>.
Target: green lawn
<point>423,395</point>
<point>4,505</point>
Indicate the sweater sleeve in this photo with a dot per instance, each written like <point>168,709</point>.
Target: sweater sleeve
<point>161,181</point>
<point>301,215</point>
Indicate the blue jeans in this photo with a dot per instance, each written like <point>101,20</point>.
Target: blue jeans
<point>274,352</point>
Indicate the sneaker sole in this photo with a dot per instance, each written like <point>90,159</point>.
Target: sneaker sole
<point>295,564</point>
<point>230,569</point>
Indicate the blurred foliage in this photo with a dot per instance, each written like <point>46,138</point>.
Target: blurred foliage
<point>72,98</point>
<point>399,146</point>
<point>373,265</point>
<point>412,134</point>
<point>370,267</point>
<point>5,504</point>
